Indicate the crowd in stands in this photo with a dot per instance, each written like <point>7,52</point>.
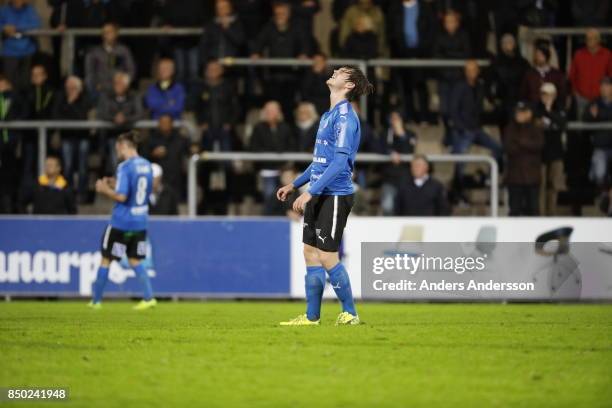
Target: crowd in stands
<point>526,91</point>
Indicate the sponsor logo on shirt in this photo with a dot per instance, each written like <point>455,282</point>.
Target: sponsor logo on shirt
<point>319,160</point>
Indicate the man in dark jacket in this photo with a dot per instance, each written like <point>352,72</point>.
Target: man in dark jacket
<point>411,25</point>
<point>271,134</point>
<point>280,39</point>
<point>11,108</point>
<point>74,104</point>
<point>465,110</point>
<point>217,109</point>
<point>102,61</point>
<point>224,36</point>
<point>523,142</point>
<point>451,43</point>
<point>39,99</point>
<point>504,79</point>
<point>51,194</point>
<point>169,148</point>
<point>553,120</point>
<point>122,107</point>
<point>420,194</point>
<point>601,111</point>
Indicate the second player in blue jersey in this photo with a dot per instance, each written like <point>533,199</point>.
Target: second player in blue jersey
<point>126,235</point>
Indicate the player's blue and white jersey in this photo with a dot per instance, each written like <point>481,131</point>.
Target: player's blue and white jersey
<point>135,181</point>
<point>339,131</point>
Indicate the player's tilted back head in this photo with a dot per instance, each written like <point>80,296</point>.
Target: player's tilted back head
<point>127,144</point>
<point>350,80</point>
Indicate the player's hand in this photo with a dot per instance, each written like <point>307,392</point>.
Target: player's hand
<point>284,192</point>
<point>102,186</point>
<point>300,203</point>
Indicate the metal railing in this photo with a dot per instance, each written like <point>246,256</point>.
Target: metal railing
<point>43,126</point>
<point>192,173</point>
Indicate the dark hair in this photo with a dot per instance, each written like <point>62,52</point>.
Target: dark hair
<point>543,45</point>
<point>132,137</point>
<point>362,85</point>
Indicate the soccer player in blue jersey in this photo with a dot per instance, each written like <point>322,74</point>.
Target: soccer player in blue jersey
<point>127,233</point>
<point>329,199</point>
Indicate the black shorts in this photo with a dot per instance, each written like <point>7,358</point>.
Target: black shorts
<point>117,243</point>
<point>324,221</point>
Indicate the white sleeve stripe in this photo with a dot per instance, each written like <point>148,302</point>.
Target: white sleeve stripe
<point>341,141</point>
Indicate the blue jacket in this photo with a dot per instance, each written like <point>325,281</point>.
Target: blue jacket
<point>166,102</point>
<point>24,18</point>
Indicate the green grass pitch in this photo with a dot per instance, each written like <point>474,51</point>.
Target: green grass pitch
<point>226,354</point>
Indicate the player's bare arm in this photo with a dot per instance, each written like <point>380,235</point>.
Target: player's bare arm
<point>103,187</point>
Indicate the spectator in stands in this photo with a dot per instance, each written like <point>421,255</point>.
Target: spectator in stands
<point>541,72</point>
<point>122,107</point>
<point>271,134</point>
<point>16,18</point>
<point>399,140</point>
<point>169,148</point>
<point>523,142</point>
<point>553,120</point>
<point>217,109</point>
<point>185,50</point>
<point>465,111</point>
<point>504,79</point>
<point>362,42</point>
<point>451,43</point>
<point>84,14</point>
<point>163,199</point>
<point>74,104</point>
<point>102,61</point>
<point>306,126</point>
<point>600,110</point>
<point>12,109</point>
<point>39,98</point>
<point>412,27</point>
<point>420,194</point>
<point>224,36</point>
<point>364,8</point>
<point>589,66</point>
<point>166,96</point>
<point>314,87</point>
<point>52,193</point>
<point>280,39</point>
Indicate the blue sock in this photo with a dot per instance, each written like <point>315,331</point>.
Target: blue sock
<point>100,283</point>
<point>341,284</point>
<point>315,283</point>
<point>143,277</point>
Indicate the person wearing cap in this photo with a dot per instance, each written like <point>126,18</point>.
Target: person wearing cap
<point>541,72</point>
<point>589,66</point>
<point>553,120</point>
<point>523,143</point>
<point>600,110</point>
<point>163,199</point>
